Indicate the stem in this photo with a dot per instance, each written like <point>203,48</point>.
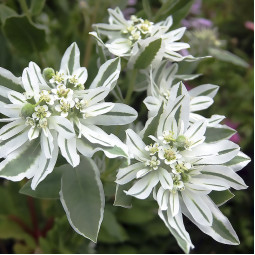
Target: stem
<point>24,7</point>
<point>89,44</point>
<point>131,85</point>
<point>21,223</point>
<point>34,220</point>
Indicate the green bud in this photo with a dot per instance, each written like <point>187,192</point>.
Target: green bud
<point>185,177</point>
<point>181,141</point>
<point>27,110</point>
<point>48,73</point>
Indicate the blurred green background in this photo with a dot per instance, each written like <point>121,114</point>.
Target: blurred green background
<point>40,31</point>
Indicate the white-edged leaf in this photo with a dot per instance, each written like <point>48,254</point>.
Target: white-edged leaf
<point>128,173</point>
<point>62,125</point>
<point>47,144</point>
<point>225,174</point>
<point>197,207</point>
<point>82,197</point>
<point>68,150</point>
<point>220,230</point>
<point>121,199</point>
<point>8,80</point>
<point>136,146</point>
<point>143,187</point>
<point>177,229</point>
<point>217,133</point>
<point>238,162</point>
<point>107,75</point>
<point>221,197</point>
<point>21,163</point>
<point>208,90</point>
<point>11,129</point>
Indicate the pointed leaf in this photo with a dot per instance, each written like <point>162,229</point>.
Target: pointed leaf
<point>82,197</point>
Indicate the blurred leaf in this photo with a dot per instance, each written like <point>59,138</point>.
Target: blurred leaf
<point>36,7</point>
<point>6,12</point>
<point>121,199</point>
<point>221,197</point>
<point>148,54</point>
<point>147,9</point>
<point>111,231</point>
<point>82,197</point>
<point>24,35</point>
<point>10,229</point>
<point>228,57</point>
<point>48,188</point>
<point>165,9</point>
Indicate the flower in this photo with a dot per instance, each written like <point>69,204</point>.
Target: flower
<point>181,169</point>
<point>162,90</point>
<point>45,113</point>
<point>128,38</point>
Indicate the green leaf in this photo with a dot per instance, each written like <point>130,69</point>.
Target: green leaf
<point>36,7</point>
<point>24,36</point>
<point>6,12</point>
<point>121,199</point>
<point>148,54</point>
<point>214,134</point>
<point>147,8</point>
<point>82,197</point>
<point>10,229</point>
<point>228,57</point>
<point>165,9</point>
<point>111,231</point>
<point>221,197</point>
<point>48,188</point>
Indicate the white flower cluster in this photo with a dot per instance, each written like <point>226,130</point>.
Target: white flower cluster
<point>181,161</point>
<point>127,38</point>
<point>51,111</point>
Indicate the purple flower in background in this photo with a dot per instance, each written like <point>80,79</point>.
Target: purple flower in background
<point>236,137</point>
<point>196,7</point>
<point>129,10</point>
<point>197,23</point>
<point>249,25</point>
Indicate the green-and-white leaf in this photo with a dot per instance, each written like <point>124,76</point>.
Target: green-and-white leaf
<point>238,162</point>
<point>178,231</point>
<point>121,199</point>
<point>8,80</point>
<point>220,230</point>
<point>221,197</point>
<point>149,51</point>
<point>225,174</point>
<point>214,134</point>
<point>47,189</point>
<point>208,90</point>
<point>71,59</point>
<point>82,197</point>
<point>21,163</point>
<point>107,75</point>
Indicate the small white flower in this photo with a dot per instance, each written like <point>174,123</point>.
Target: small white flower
<point>153,162</point>
<point>64,107</point>
<point>46,97</point>
<point>58,78</point>
<point>41,112</point>
<point>61,92</point>
<point>152,148</point>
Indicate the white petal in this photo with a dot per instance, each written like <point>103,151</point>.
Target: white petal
<point>81,74</point>
<point>16,97</point>
<point>209,90</point>
<point>98,109</point>
<point>200,103</point>
<point>162,198</point>
<point>33,133</point>
<point>165,178</point>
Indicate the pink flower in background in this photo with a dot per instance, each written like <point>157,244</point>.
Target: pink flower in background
<point>130,9</point>
<point>196,7</point>
<point>236,137</point>
<point>249,25</point>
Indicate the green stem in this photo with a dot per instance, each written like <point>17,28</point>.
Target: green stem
<point>24,7</point>
<point>131,85</point>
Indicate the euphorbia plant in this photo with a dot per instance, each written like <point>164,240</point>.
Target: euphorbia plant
<point>55,123</point>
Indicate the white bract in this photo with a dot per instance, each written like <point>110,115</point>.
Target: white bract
<point>57,110</point>
<point>129,38</point>
<point>181,169</point>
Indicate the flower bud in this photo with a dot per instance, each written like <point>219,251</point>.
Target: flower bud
<point>27,110</point>
<point>181,141</point>
<point>48,73</point>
